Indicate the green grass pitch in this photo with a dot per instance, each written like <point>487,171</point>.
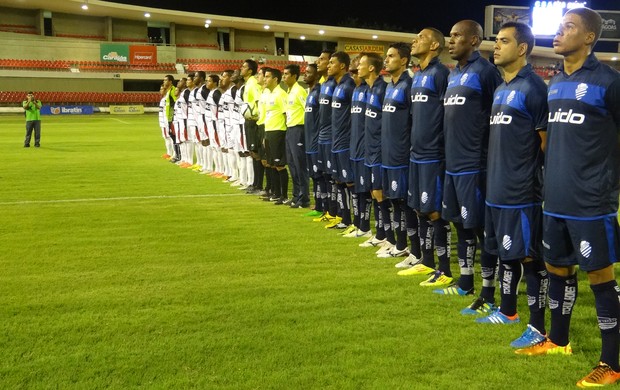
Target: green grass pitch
<point>122,270</point>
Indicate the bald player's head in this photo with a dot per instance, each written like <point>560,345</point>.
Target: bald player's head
<point>472,29</point>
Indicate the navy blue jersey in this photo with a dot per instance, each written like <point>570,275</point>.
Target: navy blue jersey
<point>583,158</point>
<point>396,124</point>
<point>311,120</point>
<point>341,114</point>
<point>427,93</point>
<point>515,159</point>
<point>358,121</point>
<point>325,111</point>
<point>372,127</point>
<point>467,108</point>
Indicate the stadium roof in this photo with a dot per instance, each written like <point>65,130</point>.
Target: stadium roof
<point>133,12</point>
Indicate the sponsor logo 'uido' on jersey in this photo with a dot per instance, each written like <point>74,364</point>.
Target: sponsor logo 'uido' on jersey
<point>501,119</point>
<point>454,100</point>
<point>566,117</point>
<point>419,97</point>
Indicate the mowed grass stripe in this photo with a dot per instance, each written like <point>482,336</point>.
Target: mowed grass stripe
<point>217,292</point>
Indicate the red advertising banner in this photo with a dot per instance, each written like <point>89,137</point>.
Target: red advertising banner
<point>143,55</point>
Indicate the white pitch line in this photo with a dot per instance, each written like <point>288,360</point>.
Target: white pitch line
<point>115,119</point>
<point>21,202</point>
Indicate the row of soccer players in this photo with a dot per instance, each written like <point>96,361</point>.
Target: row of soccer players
<point>202,125</point>
<point>465,147</point>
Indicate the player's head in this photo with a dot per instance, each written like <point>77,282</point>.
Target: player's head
<point>213,81</point>
<point>199,77</point>
<point>168,81</point>
<point>311,74</point>
<point>580,28</point>
<point>323,61</point>
<point>465,38</point>
<point>429,40</point>
<point>397,57</point>
<point>514,40</point>
<point>369,63</point>
<point>338,63</point>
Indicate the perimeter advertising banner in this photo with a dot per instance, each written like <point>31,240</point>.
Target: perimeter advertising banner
<point>114,52</point>
<point>611,25</point>
<point>67,110</point>
<point>127,110</point>
<point>143,55</point>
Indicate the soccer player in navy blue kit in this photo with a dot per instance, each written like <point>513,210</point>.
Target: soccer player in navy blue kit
<point>467,108</point>
<point>369,69</point>
<point>582,184</point>
<point>395,148</point>
<point>513,226</point>
<point>360,196</point>
<point>311,135</point>
<point>427,158</point>
<point>325,159</point>
<point>342,173</point>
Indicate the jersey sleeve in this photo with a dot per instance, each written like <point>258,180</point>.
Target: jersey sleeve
<point>612,101</point>
<point>537,106</point>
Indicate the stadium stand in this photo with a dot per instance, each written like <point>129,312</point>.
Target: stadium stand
<point>19,28</point>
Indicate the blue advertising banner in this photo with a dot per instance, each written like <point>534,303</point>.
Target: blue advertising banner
<point>67,110</point>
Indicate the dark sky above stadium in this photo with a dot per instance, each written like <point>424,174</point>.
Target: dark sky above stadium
<point>404,15</point>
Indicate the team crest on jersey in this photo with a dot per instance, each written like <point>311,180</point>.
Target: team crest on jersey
<point>344,173</point>
<point>329,164</point>
<point>360,96</point>
<point>511,96</point>
<point>507,242</point>
<point>581,91</point>
<point>394,93</point>
<point>424,197</point>
<point>394,185</point>
<point>585,248</point>
<point>424,80</point>
<point>372,177</point>
<point>463,79</point>
<point>464,212</point>
<point>362,180</point>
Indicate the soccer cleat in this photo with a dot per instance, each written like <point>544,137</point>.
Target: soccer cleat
<point>499,318</point>
<point>437,279</point>
<point>333,223</point>
<point>349,232</point>
<point>281,201</point>
<point>340,226</point>
<point>416,269</point>
<point>361,234</point>
<point>313,213</point>
<point>325,217</point>
<point>545,347</point>
<point>166,156</point>
<point>372,242</point>
<point>405,263</point>
<point>385,247</point>
<point>394,252</point>
<point>601,375</point>
<point>531,336</point>
<point>453,290</point>
<point>479,306</point>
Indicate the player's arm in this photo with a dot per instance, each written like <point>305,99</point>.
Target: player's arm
<point>542,133</point>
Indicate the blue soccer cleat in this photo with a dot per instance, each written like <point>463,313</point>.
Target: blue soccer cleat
<point>531,336</point>
<point>453,290</point>
<point>479,306</point>
<point>498,318</point>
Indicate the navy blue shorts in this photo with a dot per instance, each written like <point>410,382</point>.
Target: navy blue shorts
<point>592,244</point>
<point>362,178</point>
<point>513,233</point>
<point>326,160</point>
<point>426,186</point>
<point>313,165</point>
<point>395,182</point>
<point>463,199</point>
<point>376,177</point>
<point>343,172</point>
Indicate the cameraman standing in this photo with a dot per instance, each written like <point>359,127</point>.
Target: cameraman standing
<point>33,119</point>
